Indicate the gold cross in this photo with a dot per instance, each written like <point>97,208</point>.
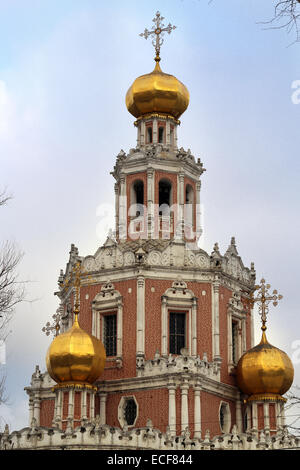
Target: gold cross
<point>55,327</point>
<point>158,31</point>
<point>263,299</point>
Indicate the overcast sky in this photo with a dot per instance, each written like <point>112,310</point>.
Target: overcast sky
<point>65,67</point>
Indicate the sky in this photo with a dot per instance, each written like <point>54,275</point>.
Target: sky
<point>65,67</point>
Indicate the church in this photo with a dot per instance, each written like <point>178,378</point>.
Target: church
<point>154,337</point>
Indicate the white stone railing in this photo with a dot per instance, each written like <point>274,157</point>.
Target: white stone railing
<point>174,364</point>
<point>95,436</point>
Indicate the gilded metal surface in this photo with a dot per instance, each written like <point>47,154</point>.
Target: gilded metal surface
<point>75,356</point>
<point>264,371</point>
<point>157,92</point>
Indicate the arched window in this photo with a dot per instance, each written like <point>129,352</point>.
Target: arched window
<point>149,135</point>
<point>137,197</point>
<point>160,135</point>
<point>164,191</point>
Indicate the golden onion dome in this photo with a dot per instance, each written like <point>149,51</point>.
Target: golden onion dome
<point>264,372</point>
<point>75,357</point>
<point>157,92</point>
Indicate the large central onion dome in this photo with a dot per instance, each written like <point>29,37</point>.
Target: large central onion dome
<point>265,372</point>
<point>75,357</point>
<point>157,92</point>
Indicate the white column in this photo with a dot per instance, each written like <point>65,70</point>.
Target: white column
<point>278,415</point>
<point>216,303</point>
<point>244,336</point>
<point>282,414</point>
<point>197,411</point>
<point>117,208</point>
<point>71,404</point>
<point>83,404</point>
<point>37,408</point>
<point>92,405</point>
<point>122,209</point>
<point>30,410</point>
<point>140,323</point>
<point>239,419</point>
<point>181,204</point>
<point>155,132</point>
<point>59,399</point>
<point>254,417</point>
<point>168,132</point>
<point>150,202</point>
<point>198,211</point>
<point>103,398</point>
<point>266,417</point>
<point>172,408</point>
<point>164,327</point>
<point>194,327</point>
<point>184,405</point>
<point>143,132</point>
<point>119,328</point>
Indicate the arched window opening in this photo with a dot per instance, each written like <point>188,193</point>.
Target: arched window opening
<point>164,191</point>
<point>149,135</point>
<point>138,197</point>
<point>160,135</point>
<point>189,194</point>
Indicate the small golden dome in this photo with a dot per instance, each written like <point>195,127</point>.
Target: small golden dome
<point>264,372</point>
<point>157,92</point>
<point>75,357</point>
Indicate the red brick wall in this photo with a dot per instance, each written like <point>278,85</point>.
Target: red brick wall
<point>129,326</point>
<point>47,412</point>
<point>272,414</point>
<point>153,316</point>
<point>77,405</point>
<point>227,294</point>
<point>260,416</point>
<point>153,404</point>
<point>65,405</point>
<point>210,405</point>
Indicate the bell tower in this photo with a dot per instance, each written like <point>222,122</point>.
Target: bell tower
<point>157,184</point>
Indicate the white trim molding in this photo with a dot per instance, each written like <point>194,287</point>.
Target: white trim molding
<point>179,298</point>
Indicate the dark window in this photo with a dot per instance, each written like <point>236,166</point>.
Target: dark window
<point>164,191</point>
<point>149,135</point>
<point>138,188</point>
<point>177,332</point>
<point>130,411</point>
<point>222,416</point>
<point>160,135</point>
<point>110,335</point>
<point>234,341</point>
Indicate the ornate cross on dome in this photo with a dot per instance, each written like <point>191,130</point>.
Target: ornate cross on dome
<point>55,327</point>
<point>158,31</point>
<point>263,299</point>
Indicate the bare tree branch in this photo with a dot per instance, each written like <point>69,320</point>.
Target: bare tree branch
<point>287,15</point>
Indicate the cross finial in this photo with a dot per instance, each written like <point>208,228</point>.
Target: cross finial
<point>263,299</point>
<point>55,327</point>
<point>158,32</point>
